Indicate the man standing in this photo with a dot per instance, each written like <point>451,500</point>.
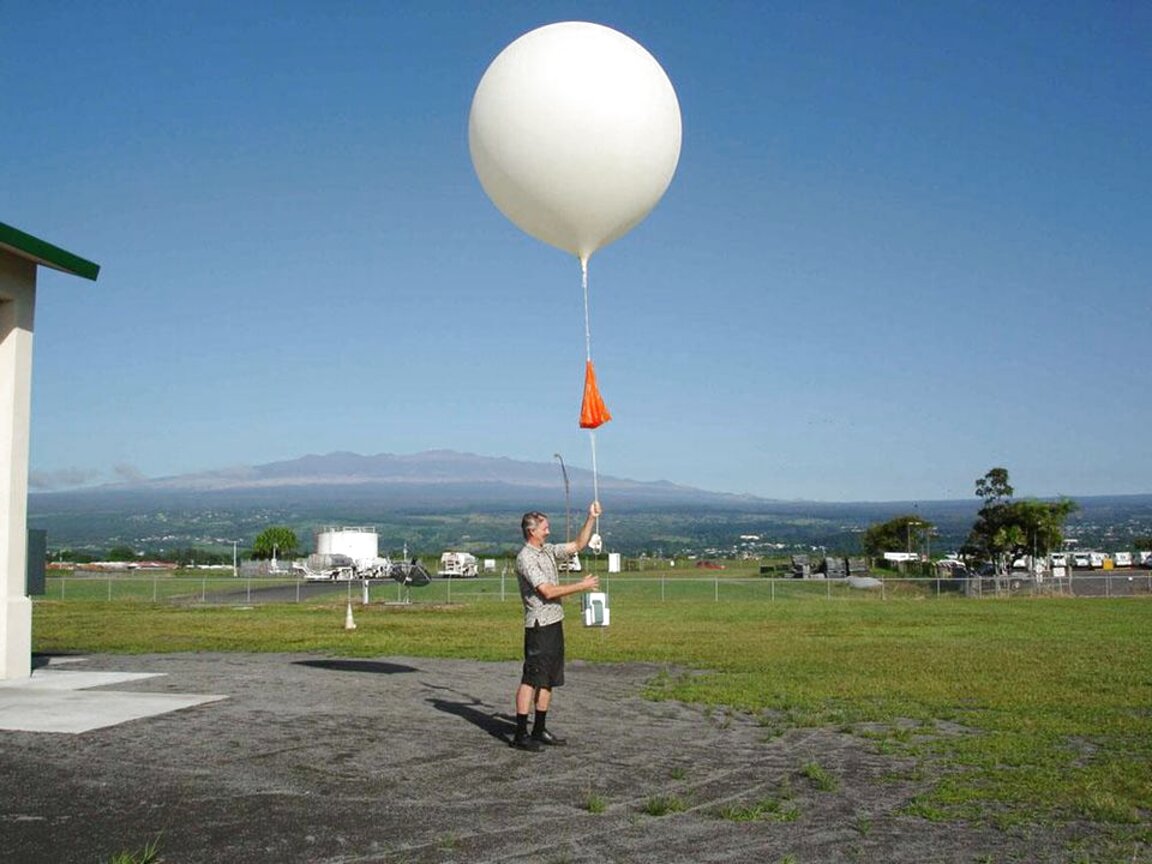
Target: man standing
<point>541,591</point>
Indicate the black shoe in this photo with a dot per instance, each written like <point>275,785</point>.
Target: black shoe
<point>525,742</point>
<point>548,738</point>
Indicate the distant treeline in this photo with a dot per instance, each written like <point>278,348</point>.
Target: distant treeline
<point>204,534</point>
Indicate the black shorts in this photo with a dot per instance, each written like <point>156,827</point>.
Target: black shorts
<point>544,656</point>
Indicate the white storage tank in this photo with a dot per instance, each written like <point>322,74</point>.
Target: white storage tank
<point>359,544</point>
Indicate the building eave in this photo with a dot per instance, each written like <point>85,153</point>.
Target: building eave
<point>16,242</point>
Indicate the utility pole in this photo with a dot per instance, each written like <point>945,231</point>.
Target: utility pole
<point>567,502</point>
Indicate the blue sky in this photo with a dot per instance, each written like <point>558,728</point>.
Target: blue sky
<point>905,243</point>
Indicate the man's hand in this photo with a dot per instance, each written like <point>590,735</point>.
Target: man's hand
<point>594,510</point>
<point>591,582</point>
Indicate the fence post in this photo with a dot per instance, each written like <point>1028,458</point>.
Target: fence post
<point>154,578</point>
<point>716,588</point>
<point>109,589</point>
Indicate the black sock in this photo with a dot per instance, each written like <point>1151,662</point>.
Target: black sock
<point>521,725</point>
<point>538,726</point>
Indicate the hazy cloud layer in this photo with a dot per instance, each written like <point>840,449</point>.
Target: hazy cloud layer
<point>71,478</point>
<point>125,473</point>
<point>65,478</point>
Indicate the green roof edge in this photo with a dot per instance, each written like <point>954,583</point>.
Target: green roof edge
<point>45,253</point>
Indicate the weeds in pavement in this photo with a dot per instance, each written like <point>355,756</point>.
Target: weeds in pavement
<point>820,777</point>
<point>595,803</point>
<point>148,855</point>
<point>662,805</point>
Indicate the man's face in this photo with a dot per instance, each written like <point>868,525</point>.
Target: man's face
<point>540,533</point>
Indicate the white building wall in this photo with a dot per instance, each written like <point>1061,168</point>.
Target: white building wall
<point>17,305</point>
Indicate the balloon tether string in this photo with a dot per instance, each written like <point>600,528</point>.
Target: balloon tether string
<point>588,357</point>
<point>587,326</point>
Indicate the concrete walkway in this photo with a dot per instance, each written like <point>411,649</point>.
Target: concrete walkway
<point>57,698</point>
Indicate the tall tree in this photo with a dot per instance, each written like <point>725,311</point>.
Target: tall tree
<point>994,487</point>
<point>275,539</point>
<point>1006,529</point>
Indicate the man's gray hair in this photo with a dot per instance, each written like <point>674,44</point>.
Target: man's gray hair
<point>530,521</point>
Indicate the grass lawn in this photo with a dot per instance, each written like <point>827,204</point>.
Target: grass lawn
<point>1025,709</point>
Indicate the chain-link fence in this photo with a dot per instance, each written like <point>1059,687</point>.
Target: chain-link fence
<point>227,590</point>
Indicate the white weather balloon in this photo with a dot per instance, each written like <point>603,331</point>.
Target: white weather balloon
<point>575,134</point>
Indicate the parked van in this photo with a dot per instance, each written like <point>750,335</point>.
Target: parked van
<point>1122,559</point>
<point>457,565</point>
<point>1081,560</point>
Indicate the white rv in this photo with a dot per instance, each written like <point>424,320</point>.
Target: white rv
<point>457,565</point>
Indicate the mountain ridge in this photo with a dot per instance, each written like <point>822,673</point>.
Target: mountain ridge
<point>444,498</point>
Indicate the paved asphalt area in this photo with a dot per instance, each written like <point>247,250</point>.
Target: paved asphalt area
<point>305,758</point>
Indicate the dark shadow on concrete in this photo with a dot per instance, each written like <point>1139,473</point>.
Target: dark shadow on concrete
<point>468,707</point>
<point>42,659</point>
<point>376,667</point>
<point>499,726</point>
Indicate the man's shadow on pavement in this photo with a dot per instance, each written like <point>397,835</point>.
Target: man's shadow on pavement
<point>500,726</point>
<point>374,666</point>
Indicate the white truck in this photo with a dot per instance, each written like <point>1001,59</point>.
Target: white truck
<point>458,565</point>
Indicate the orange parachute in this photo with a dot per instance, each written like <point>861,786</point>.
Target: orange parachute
<point>593,412</point>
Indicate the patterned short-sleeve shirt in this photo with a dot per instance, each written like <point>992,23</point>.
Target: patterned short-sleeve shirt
<point>534,567</point>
